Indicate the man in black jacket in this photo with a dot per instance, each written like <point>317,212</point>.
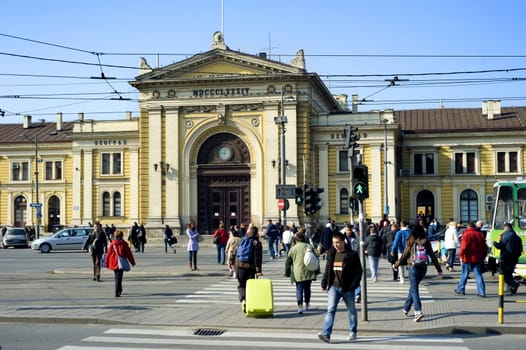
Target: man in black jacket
<point>508,260</point>
<point>343,273</point>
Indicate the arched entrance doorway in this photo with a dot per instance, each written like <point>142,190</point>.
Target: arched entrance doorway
<point>425,204</point>
<point>53,213</point>
<point>223,182</point>
<point>20,211</point>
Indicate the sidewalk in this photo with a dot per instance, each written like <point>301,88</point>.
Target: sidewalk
<point>447,313</point>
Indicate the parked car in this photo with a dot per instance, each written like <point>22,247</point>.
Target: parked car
<point>67,239</point>
<point>15,237</point>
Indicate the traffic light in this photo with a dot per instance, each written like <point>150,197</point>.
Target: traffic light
<point>299,195</point>
<point>360,182</point>
<point>307,199</point>
<point>353,204</point>
<point>316,200</point>
<point>351,138</point>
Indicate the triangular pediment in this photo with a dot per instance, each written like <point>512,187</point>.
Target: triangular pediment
<point>219,63</point>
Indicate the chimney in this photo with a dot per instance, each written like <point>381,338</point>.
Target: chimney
<point>354,104</point>
<point>491,108</point>
<point>81,117</point>
<point>59,121</point>
<point>27,121</point>
<point>128,115</point>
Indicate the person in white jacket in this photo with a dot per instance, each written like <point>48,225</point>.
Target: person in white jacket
<point>451,244</point>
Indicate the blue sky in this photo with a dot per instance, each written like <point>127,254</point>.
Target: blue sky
<point>355,46</point>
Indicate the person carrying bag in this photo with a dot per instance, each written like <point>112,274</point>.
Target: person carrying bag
<point>117,251</point>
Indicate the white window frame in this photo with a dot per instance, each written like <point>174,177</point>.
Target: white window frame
<point>53,170</point>
<point>339,153</point>
<point>507,161</point>
<point>340,212</point>
<point>424,152</point>
<point>112,192</point>
<point>112,161</point>
<point>476,171</point>
<point>19,163</point>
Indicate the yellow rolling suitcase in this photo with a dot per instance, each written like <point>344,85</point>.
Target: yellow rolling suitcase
<point>259,298</point>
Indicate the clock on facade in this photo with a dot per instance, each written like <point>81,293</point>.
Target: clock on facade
<point>224,153</point>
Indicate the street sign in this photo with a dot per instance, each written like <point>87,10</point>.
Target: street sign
<point>285,191</point>
<point>283,204</point>
<point>35,205</point>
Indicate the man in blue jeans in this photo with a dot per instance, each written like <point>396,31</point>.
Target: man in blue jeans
<point>473,251</point>
<point>342,275</point>
<point>272,236</point>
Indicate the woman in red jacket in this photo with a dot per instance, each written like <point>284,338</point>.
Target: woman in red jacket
<point>120,247</point>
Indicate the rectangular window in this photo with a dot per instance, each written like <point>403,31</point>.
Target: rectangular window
<point>20,171</point>
<point>343,160</point>
<point>507,162</point>
<point>111,164</point>
<point>465,163</point>
<point>424,164</point>
<point>53,170</point>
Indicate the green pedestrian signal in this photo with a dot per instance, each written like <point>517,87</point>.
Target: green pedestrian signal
<point>360,182</point>
<point>299,196</point>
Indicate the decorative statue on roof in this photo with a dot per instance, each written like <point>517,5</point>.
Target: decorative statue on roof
<point>219,41</point>
<point>299,60</point>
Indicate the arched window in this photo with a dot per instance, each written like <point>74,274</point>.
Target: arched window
<point>344,201</point>
<point>117,204</point>
<point>469,208</point>
<point>106,204</point>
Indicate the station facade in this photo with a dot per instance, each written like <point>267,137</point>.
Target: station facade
<point>207,146</point>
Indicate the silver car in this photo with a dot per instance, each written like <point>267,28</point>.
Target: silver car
<point>15,237</point>
<point>67,239</point>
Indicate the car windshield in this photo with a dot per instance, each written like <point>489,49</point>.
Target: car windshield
<point>17,232</point>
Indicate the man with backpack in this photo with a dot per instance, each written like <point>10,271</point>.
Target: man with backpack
<point>473,251</point>
<point>510,246</point>
<point>249,258</point>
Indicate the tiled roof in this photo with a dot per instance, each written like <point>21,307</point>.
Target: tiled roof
<point>456,120</point>
<point>13,133</point>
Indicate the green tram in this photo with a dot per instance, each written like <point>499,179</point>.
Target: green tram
<point>509,205</point>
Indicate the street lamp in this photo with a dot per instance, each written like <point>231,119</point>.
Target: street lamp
<point>282,120</point>
<point>36,204</point>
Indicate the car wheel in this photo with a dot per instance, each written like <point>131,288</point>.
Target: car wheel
<point>45,248</point>
<point>5,247</point>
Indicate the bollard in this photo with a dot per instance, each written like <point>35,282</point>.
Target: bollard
<point>501,298</point>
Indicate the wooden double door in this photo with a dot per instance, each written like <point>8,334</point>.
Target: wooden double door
<point>223,199</point>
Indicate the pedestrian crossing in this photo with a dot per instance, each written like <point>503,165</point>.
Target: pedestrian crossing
<point>146,338</point>
<point>225,291</point>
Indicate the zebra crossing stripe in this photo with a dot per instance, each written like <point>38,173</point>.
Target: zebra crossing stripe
<point>123,337</point>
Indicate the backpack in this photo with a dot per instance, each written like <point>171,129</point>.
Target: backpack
<point>419,255</point>
<point>245,251</point>
<point>310,260</point>
<point>516,246</point>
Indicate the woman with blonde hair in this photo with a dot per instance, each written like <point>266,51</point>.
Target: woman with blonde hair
<point>451,244</point>
<point>118,247</point>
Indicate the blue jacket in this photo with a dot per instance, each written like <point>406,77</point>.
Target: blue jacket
<point>400,240</point>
